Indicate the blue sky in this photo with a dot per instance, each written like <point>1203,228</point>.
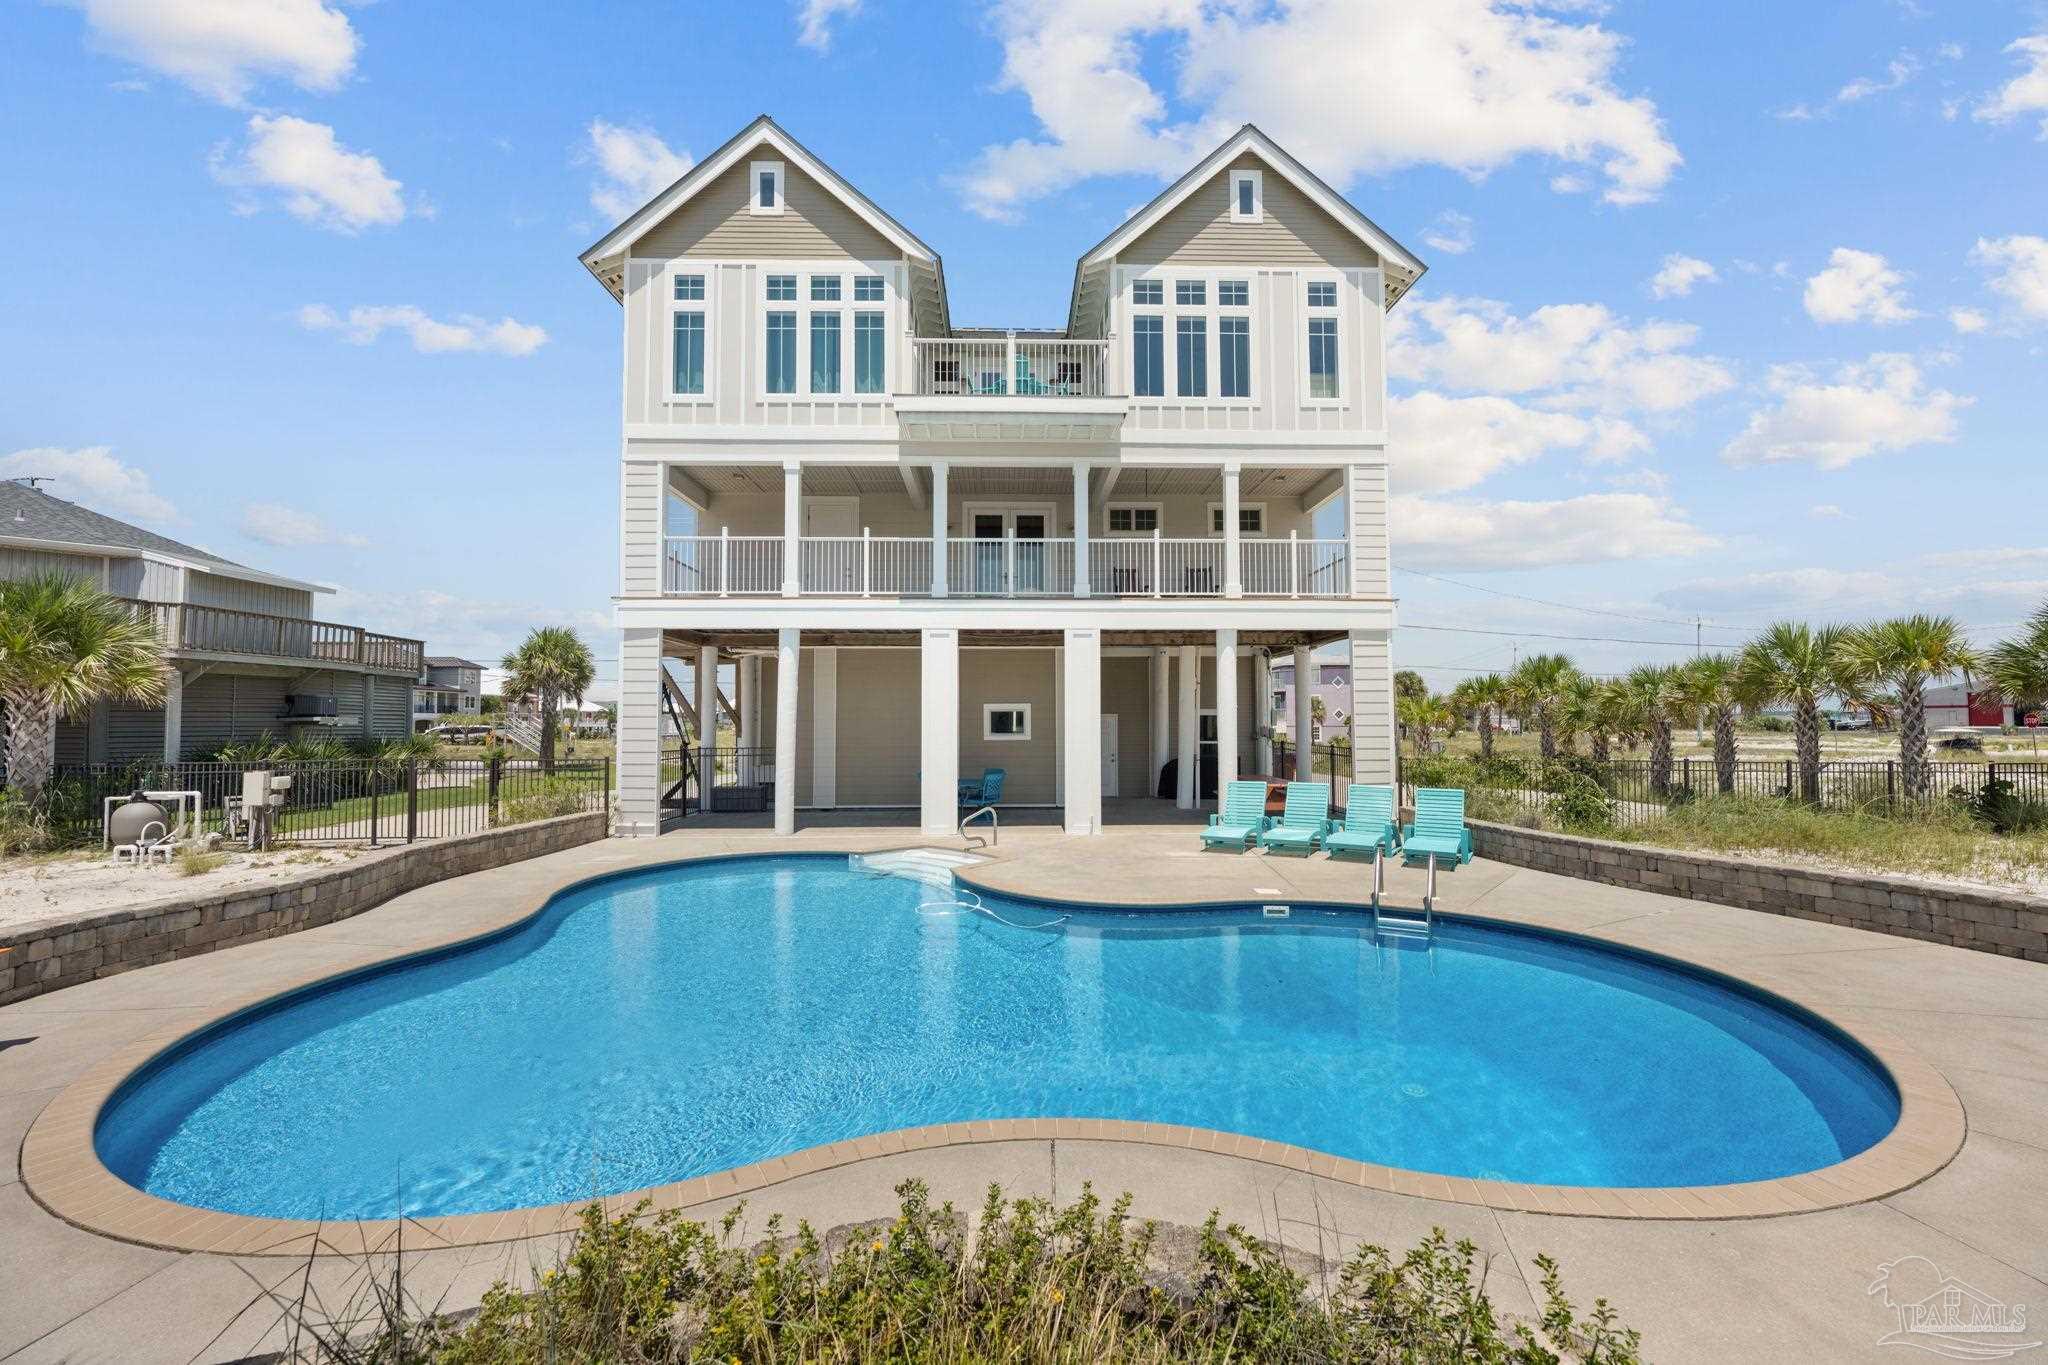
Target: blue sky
<point>1734,310</point>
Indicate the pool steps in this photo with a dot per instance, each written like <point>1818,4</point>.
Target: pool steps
<point>931,866</point>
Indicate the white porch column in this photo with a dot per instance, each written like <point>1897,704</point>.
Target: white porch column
<point>1226,711</point>
<point>707,722</point>
<point>825,727</point>
<point>938,528</point>
<point>174,714</point>
<point>750,718</point>
<point>1372,707</point>
<point>1081,515</point>
<point>1162,704</point>
<point>939,737</point>
<point>1302,727</point>
<point>1190,726</point>
<point>1082,739</point>
<point>792,526</point>
<point>637,811</point>
<point>788,645</point>
<point>1262,709</point>
<point>1233,543</point>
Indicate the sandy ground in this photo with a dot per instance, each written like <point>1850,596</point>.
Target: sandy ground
<point>83,882</point>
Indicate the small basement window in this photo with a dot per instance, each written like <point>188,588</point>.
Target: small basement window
<point>1002,720</point>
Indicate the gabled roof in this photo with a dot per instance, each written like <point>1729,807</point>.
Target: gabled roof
<point>1402,266</point>
<point>762,131</point>
<point>34,519</point>
<point>450,661</point>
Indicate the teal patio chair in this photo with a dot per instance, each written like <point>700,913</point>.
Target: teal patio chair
<point>1305,819</point>
<point>1368,822</point>
<point>987,790</point>
<point>1439,827</point>
<point>1243,817</point>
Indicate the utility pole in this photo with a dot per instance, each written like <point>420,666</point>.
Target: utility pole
<point>1699,717</point>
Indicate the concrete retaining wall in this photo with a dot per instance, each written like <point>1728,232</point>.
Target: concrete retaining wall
<point>54,954</point>
<point>1990,922</point>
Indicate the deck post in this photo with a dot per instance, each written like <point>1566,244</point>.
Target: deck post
<point>792,526</point>
<point>1162,707</point>
<point>1226,711</point>
<point>788,644</point>
<point>1081,726</point>
<point>938,528</point>
<point>707,723</point>
<point>1190,689</point>
<point>939,736</point>
<point>1302,740</point>
<point>1233,540</point>
<point>1081,514</point>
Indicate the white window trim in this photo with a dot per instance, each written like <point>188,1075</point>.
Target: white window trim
<point>1211,310</point>
<point>988,710</point>
<point>1158,510</point>
<point>1216,516</point>
<point>803,305</point>
<point>1342,314</point>
<point>705,306</point>
<point>1258,213</point>
<point>755,170</point>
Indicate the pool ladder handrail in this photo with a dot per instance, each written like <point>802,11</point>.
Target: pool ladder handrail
<point>995,826</point>
<point>1402,924</point>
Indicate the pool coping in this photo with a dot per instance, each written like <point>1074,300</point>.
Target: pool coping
<point>62,1172</point>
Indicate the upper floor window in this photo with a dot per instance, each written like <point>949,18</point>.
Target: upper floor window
<point>689,288</point>
<point>765,195</point>
<point>1187,293</point>
<point>825,288</point>
<point>1251,519</point>
<point>1234,357</point>
<point>1148,355</point>
<point>780,370</point>
<point>1133,519</point>
<point>781,288</point>
<point>1234,293</point>
<point>814,345</point>
<point>1198,308</point>
<point>867,289</point>
<point>868,366</point>
<point>1247,199</point>
<point>1191,356</point>
<point>1322,293</point>
<point>1148,291</point>
<point>1322,358</point>
<point>824,352</point>
<point>688,352</point>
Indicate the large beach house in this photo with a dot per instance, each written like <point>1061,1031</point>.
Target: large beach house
<point>925,549</point>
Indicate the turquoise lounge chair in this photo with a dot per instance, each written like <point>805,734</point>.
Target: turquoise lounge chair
<point>1368,821</point>
<point>1243,817</point>
<point>1439,827</point>
<point>1305,820</point>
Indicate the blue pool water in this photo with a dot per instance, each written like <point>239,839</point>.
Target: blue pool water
<point>684,1020</point>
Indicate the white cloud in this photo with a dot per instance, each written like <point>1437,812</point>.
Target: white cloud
<point>364,325</point>
<point>1679,274</point>
<point>2021,266</point>
<point>313,177</point>
<point>635,165</point>
<point>1968,320</point>
<point>1939,583</point>
<point>287,528</point>
<point>1450,233</point>
<point>1990,557</point>
<point>2026,94</point>
<point>1857,286</point>
<point>1826,511</point>
<point>1577,355</point>
<point>482,629</point>
<point>1352,87</point>
<point>220,48</point>
<point>1591,529</point>
<point>1896,73</point>
<point>1451,443</point>
<point>814,20</point>
<point>92,477</point>
<point>1862,408</point>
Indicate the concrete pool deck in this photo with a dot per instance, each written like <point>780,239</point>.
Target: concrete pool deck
<point>1749,1288</point>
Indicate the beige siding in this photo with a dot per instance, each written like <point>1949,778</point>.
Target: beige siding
<point>878,735</point>
<point>1293,230</point>
<point>1127,695</point>
<point>814,222</point>
<point>1011,675</point>
<point>217,590</point>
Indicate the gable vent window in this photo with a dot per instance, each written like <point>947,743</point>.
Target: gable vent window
<point>1247,197</point>
<point>765,178</point>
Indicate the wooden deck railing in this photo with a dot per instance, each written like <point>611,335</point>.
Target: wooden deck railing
<point>223,630</point>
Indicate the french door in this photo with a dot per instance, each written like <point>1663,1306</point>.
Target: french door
<point>1000,567</point>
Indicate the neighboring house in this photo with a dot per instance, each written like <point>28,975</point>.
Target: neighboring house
<point>247,658</point>
<point>450,691</point>
<point>929,549</point>
<point>1332,685</point>
<point>1956,705</point>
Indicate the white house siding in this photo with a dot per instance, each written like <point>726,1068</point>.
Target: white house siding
<point>641,500</point>
<point>238,594</point>
<point>148,579</point>
<point>1372,712</point>
<point>21,562</point>
<point>1370,571</point>
<point>390,708</point>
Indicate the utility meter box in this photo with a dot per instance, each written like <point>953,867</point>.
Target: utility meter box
<point>255,788</point>
<point>278,787</point>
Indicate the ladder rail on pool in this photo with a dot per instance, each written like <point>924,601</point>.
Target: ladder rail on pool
<point>1398,924</point>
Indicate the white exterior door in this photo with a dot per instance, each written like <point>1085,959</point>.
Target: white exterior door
<point>1109,756</point>
<point>831,565</point>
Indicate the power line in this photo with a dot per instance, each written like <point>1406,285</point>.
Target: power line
<point>1563,606</point>
<point>1537,635</point>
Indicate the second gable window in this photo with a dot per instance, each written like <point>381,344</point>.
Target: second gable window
<point>765,185</point>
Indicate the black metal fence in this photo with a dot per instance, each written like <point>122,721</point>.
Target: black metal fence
<point>1330,761</point>
<point>1637,792</point>
<point>742,777</point>
<point>343,801</point>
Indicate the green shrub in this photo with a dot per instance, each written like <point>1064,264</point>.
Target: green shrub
<point>1035,1283</point>
<point>2000,809</point>
<point>1567,771</point>
<point>1776,725</point>
<point>542,800</point>
<point>23,828</point>
<point>1439,770</point>
<point>1582,806</point>
<point>195,862</point>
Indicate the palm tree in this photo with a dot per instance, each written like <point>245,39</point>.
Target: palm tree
<point>65,645</point>
<point>1481,697</point>
<point>2018,668</point>
<point>1610,705</point>
<point>1540,684</point>
<point>1422,716</point>
<point>1655,696</point>
<point>1904,655</point>
<point>1795,664</point>
<point>1582,712</point>
<point>549,666</point>
<point>1713,683</point>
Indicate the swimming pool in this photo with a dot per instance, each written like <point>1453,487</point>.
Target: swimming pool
<point>686,1019</point>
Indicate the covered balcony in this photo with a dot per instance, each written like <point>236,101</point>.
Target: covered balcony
<point>980,531</point>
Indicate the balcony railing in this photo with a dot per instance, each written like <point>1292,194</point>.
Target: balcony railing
<point>998,367</point>
<point>223,630</point>
<point>1012,566</point>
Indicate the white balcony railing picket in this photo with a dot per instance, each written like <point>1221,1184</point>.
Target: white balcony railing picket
<point>996,367</point>
<point>868,565</point>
